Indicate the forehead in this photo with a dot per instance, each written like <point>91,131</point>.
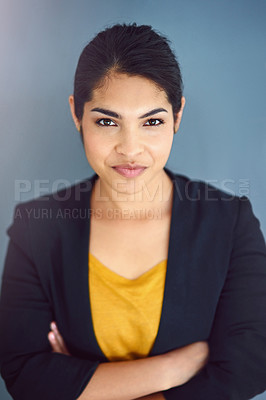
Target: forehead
<point>129,90</point>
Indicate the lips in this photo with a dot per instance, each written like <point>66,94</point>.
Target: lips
<point>129,171</point>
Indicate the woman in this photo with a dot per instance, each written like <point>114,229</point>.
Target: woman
<point>156,285</point>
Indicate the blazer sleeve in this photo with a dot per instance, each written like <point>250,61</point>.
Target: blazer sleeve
<point>237,364</point>
<point>28,366</point>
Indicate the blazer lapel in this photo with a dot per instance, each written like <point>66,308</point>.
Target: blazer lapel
<point>171,333</point>
<point>74,310</point>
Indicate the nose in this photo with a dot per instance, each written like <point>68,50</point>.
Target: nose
<point>129,144</point>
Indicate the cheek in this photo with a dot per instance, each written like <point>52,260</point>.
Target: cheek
<point>164,146</point>
<point>95,148</point>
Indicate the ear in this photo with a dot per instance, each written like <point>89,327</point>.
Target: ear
<point>179,114</point>
<point>72,109</point>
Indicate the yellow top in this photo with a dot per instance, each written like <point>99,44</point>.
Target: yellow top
<point>125,312</point>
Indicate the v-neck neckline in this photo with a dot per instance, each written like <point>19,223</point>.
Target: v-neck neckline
<point>115,277</point>
<point>159,344</point>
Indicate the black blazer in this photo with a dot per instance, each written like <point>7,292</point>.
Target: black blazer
<point>215,290</point>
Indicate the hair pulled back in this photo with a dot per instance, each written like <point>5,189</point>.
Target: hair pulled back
<point>132,50</point>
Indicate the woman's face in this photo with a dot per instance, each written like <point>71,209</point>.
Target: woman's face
<point>128,131</point>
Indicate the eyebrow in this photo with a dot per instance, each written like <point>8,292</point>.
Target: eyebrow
<point>113,114</point>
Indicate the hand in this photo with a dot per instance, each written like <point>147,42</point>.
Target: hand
<point>186,362</point>
<point>57,342</point>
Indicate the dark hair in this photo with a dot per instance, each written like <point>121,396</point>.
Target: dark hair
<point>129,49</point>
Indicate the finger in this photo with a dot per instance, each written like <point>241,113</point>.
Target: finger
<point>54,335</point>
<point>65,349</point>
<point>61,343</point>
<point>56,346</point>
<point>59,338</point>
<point>54,343</point>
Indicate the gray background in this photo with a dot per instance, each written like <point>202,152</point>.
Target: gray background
<point>221,48</point>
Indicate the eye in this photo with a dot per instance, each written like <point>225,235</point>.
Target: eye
<point>105,122</point>
<point>154,122</point>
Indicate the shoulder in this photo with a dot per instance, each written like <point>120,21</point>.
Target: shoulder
<point>47,215</point>
<point>206,204</point>
<point>221,221</point>
<point>76,195</point>
<point>199,190</point>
